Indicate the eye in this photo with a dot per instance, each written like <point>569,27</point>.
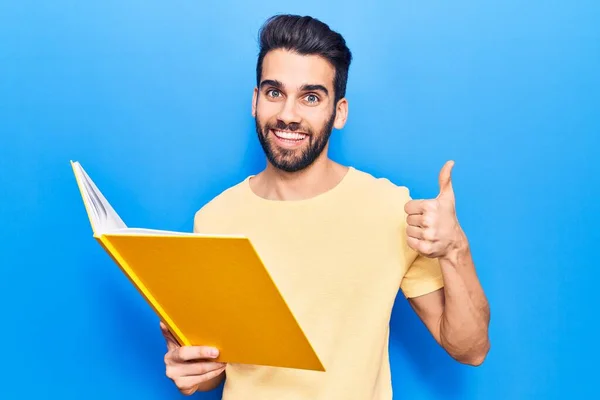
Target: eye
<point>274,93</point>
<point>312,99</point>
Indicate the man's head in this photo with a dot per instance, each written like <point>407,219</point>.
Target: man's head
<point>301,75</point>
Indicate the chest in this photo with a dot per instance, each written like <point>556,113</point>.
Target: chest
<point>330,263</point>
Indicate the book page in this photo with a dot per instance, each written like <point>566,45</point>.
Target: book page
<point>106,220</point>
<point>153,232</point>
<point>106,217</point>
<point>158,232</point>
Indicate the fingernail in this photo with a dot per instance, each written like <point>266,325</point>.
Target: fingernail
<point>214,352</point>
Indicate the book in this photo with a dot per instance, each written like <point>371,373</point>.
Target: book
<point>210,290</point>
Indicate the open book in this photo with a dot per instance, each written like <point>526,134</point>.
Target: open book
<point>210,290</point>
<point>103,217</point>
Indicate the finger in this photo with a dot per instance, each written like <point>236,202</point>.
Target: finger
<point>165,330</point>
<point>172,343</point>
<point>198,368</point>
<point>416,220</point>
<point>189,384</point>
<point>413,243</point>
<point>191,353</point>
<point>422,247</point>
<point>414,232</point>
<point>171,346</point>
<point>415,207</point>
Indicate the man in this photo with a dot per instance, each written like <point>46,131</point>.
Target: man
<point>339,242</point>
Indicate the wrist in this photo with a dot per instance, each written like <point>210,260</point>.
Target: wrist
<point>459,248</point>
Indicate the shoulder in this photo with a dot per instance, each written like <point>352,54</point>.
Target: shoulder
<point>380,190</point>
<point>378,199</point>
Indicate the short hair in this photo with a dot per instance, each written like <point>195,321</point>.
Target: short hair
<point>306,35</point>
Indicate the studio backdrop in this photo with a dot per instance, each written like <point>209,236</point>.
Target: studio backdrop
<point>154,99</point>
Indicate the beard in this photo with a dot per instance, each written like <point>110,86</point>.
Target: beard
<point>294,160</point>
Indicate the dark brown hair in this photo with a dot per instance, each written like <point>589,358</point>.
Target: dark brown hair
<point>306,36</point>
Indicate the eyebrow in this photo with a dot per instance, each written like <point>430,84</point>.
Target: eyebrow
<point>315,88</point>
<point>304,88</point>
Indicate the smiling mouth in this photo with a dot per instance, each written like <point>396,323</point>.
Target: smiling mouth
<point>291,137</point>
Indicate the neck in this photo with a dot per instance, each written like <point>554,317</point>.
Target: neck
<point>274,184</point>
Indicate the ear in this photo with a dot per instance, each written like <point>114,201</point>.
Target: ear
<point>254,99</point>
<point>341,114</point>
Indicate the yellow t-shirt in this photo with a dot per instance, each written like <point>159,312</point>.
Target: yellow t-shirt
<point>339,259</point>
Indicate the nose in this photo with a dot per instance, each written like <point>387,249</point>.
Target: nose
<point>289,113</point>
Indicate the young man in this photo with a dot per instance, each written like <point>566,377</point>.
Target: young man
<point>339,242</point>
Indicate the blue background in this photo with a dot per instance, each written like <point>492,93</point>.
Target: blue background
<point>154,97</point>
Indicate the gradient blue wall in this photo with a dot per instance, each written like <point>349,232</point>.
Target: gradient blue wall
<point>153,97</point>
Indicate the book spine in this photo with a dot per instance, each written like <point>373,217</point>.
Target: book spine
<point>114,254</point>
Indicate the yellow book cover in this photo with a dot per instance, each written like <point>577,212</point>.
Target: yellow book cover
<point>180,275</point>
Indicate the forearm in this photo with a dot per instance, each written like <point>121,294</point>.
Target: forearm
<point>464,322</point>
<point>461,260</point>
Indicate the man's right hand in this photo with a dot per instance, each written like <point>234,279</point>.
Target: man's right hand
<point>191,367</point>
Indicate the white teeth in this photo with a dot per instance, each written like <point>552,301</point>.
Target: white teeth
<point>290,135</point>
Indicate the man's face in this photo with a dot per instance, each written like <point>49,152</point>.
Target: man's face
<point>294,109</point>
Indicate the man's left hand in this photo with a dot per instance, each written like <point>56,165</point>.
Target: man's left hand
<point>433,229</point>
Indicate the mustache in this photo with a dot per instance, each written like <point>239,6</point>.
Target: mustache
<point>292,126</point>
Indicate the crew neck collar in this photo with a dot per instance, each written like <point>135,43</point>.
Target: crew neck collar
<point>319,197</point>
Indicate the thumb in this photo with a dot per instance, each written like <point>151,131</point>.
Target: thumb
<point>445,181</point>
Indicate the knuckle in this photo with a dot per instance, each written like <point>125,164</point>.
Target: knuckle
<point>188,391</point>
<point>193,352</point>
<point>200,353</point>
<point>186,387</point>
<point>426,248</point>
<point>428,220</point>
<point>180,384</point>
<point>170,373</point>
<point>431,206</point>
<point>186,353</point>
<point>203,352</point>
<point>429,234</point>
<point>171,356</point>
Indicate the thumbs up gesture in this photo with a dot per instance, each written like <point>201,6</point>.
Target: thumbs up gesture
<point>433,229</point>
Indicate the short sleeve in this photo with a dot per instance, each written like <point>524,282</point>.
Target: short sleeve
<point>423,276</point>
<point>200,220</point>
<point>196,227</point>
